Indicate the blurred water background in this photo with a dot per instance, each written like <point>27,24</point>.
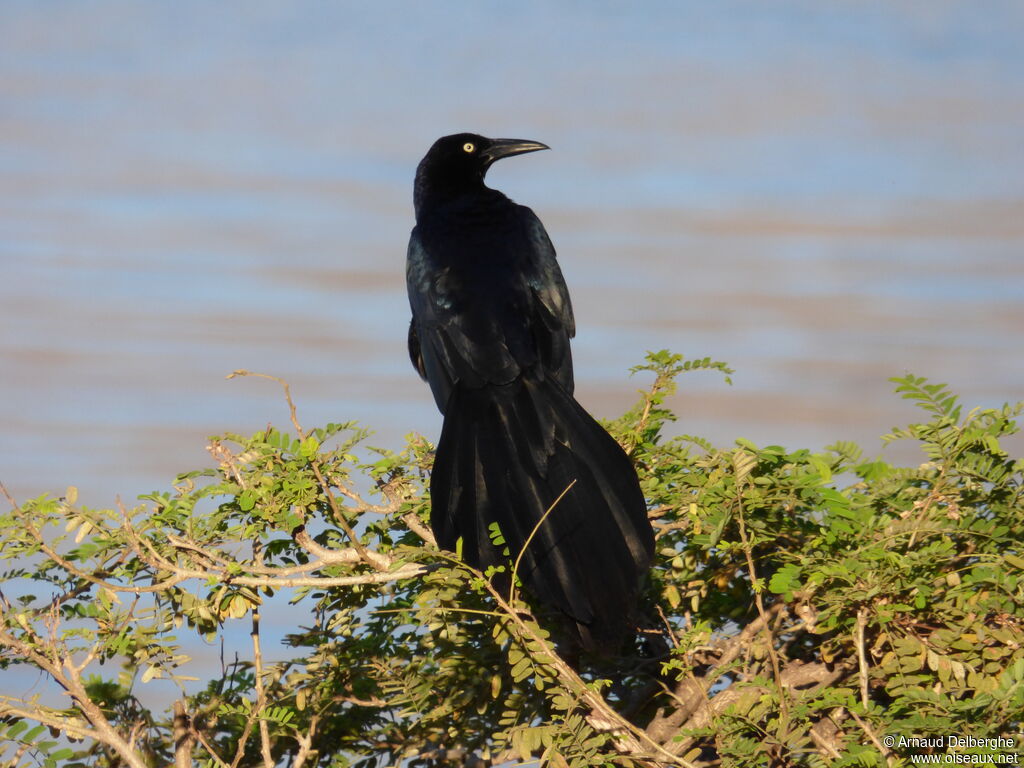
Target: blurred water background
<point>822,194</point>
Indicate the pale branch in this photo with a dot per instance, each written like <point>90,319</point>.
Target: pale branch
<point>52,666</point>
<point>257,662</point>
<point>661,528</point>
<point>657,512</point>
<point>374,701</point>
<point>629,739</point>
<point>243,739</point>
<point>862,661</point>
<point>416,526</point>
<point>335,557</point>
<point>348,556</point>
<point>198,735</point>
<point>824,732</point>
<point>72,726</point>
<point>364,506</point>
<point>272,576</point>
<point>15,758</point>
<point>261,693</point>
<point>405,572</point>
<point>890,759</point>
<point>136,731</point>
<point>805,678</point>
<point>305,741</point>
<point>693,690</point>
<point>216,566</point>
<point>183,737</point>
<point>323,557</point>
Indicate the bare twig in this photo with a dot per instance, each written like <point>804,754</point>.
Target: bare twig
<point>526,544</point>
<point>198,734</point>
<point>862,661</point>
<point>136,732</point>
<point>93,577</point>
<point>870,733</point>
<point>668,627</point>
<point>243,739</point>
<point>305,740</point>
<point>7,495</point>
<point>824,732</point>
<point>649,395</point>
<point>417,527</point>
<point>15,757</point>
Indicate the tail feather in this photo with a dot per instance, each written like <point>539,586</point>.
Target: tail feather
<point>506,454</point>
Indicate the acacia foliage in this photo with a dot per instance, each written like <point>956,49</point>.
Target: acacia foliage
<point>805,608</point>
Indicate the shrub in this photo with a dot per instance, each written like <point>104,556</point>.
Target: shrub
<point>805,608</point>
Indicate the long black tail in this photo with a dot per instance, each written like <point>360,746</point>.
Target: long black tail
<point>506,454</point>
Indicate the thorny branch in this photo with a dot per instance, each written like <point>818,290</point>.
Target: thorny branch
<point>192,561</point>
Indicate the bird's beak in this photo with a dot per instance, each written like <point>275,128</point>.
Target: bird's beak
<point>500,148</point>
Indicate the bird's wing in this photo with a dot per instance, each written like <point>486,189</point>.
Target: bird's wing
<point>457,334</point>
<point>487,322</point>
<point>552,323</point>
<point>415,353</point>
<point>425,353</point>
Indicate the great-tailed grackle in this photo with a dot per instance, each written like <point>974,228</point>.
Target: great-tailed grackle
<point>491,323</point>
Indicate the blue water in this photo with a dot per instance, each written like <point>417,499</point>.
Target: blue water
<point>823,195</point>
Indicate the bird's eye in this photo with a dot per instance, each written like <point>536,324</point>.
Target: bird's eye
<point>469,146</point>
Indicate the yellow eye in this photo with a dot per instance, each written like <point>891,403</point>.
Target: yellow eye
<point>469,147</point>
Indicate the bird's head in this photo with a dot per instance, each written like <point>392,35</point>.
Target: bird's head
<point>458,163</point>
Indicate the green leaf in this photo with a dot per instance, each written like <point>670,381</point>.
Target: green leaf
<point>310,447</point>
<point>1014,560</point>
<point>821,466</point>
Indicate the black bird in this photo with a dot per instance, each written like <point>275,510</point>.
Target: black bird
<point>491,323</point>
